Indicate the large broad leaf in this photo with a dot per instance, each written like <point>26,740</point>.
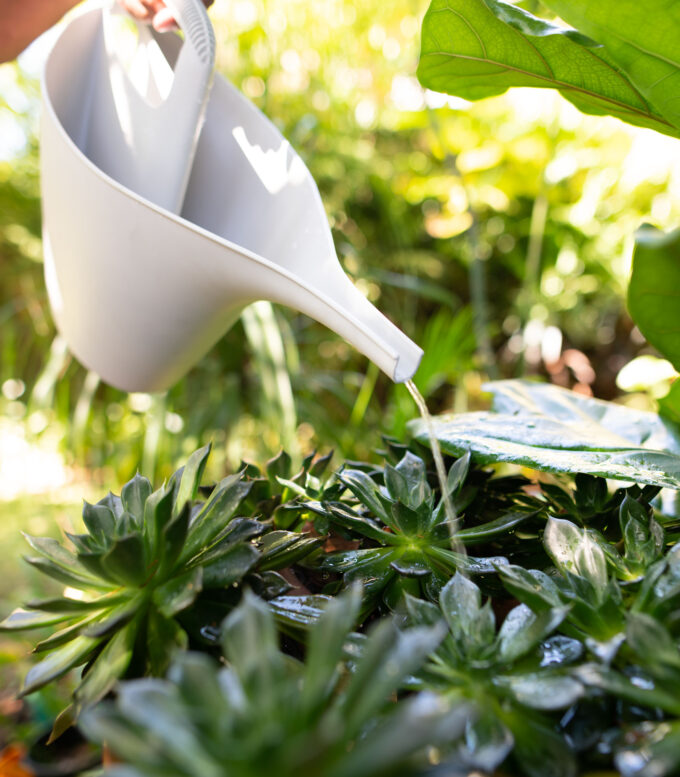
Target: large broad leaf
<point>643,39</point>
<point>654,290</point>
<point>480,48</point>
<point>548,428</point>
<point>669,406</point>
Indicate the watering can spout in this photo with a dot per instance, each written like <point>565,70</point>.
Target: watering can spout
<point>340,306</point>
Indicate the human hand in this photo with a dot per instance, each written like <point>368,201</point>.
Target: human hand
<point>155,12</point>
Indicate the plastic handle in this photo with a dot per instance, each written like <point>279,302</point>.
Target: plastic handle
<point>198,31</point>
<point>153,114</point>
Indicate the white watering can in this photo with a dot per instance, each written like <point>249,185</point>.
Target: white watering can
<point>170,202</point>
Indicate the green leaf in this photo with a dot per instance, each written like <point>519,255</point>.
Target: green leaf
<point>425,718</point>
<point>21,619</point>
<point>134,495</point>
<point>231,566</point>
<point>99,520</point>
<point>642,535</point>
<point>406,521</point>
<point>56,553</point>
<point>592,675</point>
<point>157,514</point>
<point>279,466</point>
<point>58,663</point>
<point>64,720</point>
<point>542,691</point>
<point>164,637</point>
<point>652,641</point>
<point>366,491</point>
<point>53,550</point>
<point>73,606</point>
<point>591,493</point>
<point>480,48</point>
<point>487,742</point>
<point>413,470</point>
<point>325,648</point>
<point>61,637</point>
<point>654,290</point>
<point>110,665</point>
<point>411,564</point>
<point>420,612</point>
<point>539,750</point>
<point>179,592</point>
<point>472,625</point>
<point>126,561</point>
<point>522,630</point>
<point>340,513</point>
<point>92,561</point>
<point>299,610</point>
<point>387,657</point>
<point>280,549</point>
<point>118,616</point>
<point>173,539</point>
<point>492,529</point>
<point>215,514</point>
<point>396,484</point>
<point>250,644</point>
<point>549,428</point>
<point>320,465</point>
<point>574,550</point>
<point>669,405</point>
<point>530,586</point>
<point>238,530</point>
<point>640,38</point>
<point>194,674</point>
<point>191,477</point>
<point>112,503</point>
<point>66,576</point>
<point>458,473</point>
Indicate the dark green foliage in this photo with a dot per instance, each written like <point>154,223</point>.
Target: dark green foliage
<point>407,544</point>
<point>480,48</point>
<point>552,649</point>
<point>267,711</point>
<point>146,559</point>
<point>500,672</point>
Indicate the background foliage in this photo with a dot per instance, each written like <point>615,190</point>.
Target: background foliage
<point>497,234</point>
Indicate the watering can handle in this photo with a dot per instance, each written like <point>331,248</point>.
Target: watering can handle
<point>198,31</point>
<point>174,122</point>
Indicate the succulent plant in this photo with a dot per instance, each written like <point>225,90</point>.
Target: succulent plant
<point>282,490</point>
<point>408,544</point>
<point>267,711</point>
<point>145,559</point>
<point>504,675</point>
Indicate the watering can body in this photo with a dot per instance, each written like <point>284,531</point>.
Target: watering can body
<point>161,224</point>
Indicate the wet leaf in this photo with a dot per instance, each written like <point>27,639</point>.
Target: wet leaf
<point>548,428</point>
<point>542,691</point>
<point>179,592</point>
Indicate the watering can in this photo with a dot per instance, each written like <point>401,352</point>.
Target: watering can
<point>170,202</point>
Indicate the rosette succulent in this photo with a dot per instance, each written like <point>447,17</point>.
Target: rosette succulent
<point>145,559</point>
<point>407,543</point>
<point>265,710</point>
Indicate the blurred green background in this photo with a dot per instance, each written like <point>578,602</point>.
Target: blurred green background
<point>497,235</point>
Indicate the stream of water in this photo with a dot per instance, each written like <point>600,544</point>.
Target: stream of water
<point>451,517</point>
